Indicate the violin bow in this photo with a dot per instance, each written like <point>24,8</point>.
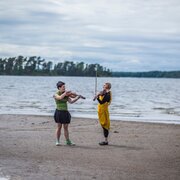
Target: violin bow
<point>95,91</point>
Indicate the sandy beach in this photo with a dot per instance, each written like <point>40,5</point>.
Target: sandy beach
<point>137,151</point>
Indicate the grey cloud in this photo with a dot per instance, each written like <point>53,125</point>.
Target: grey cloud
<point>121,35</point>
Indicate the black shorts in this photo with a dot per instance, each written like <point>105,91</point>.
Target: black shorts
<point>61,116</point>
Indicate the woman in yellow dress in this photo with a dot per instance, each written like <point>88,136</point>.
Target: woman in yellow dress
<point>104,98</point>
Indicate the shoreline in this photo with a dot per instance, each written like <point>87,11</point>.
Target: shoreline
<point>136,150</point>
<point>121,119</point>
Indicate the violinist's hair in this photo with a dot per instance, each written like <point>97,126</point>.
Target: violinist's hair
<point>108,85</point>
<point>59,84</point>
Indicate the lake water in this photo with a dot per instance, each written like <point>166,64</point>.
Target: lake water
<point>134,99</point>
<point>2,177</point>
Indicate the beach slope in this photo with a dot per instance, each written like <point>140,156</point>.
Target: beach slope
<point>137,151</point>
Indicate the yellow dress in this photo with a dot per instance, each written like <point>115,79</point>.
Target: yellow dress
<point>103,113</point>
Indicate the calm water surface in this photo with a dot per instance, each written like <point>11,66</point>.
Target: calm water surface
<point>134,99</point>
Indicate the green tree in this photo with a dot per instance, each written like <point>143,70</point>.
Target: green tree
<point>80,68</point>
<point>18,66</point>
<point>30,66</point>
<point>2,66</point>
<point>9,65</point>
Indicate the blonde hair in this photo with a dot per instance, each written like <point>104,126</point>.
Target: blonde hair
<point>108,85</point>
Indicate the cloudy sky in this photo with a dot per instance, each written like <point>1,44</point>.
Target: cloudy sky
<point>123,35</point>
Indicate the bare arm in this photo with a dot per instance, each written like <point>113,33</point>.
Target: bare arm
<point>71,101</point>
<point>59,97</point>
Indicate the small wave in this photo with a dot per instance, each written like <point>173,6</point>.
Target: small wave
<point>2,177</point>
<point>172,111</point>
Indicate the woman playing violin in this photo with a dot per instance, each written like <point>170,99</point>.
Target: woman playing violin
<point>62,116</point>
<point>104,98</point>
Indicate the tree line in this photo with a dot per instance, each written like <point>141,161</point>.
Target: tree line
<point>36,66</point>
<point>150,74</point>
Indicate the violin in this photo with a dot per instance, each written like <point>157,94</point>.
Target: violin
<point>101,93</point>
<point>73,95</point>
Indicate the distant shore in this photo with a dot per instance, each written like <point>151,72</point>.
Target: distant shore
<point>136,151</point>
<point>35,67</point>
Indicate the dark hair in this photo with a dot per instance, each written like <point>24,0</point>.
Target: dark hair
<point>59,84</point>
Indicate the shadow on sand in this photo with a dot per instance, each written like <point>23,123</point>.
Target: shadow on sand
<point>110,146</point>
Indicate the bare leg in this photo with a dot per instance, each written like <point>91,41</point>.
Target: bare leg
<point>58,131</point>
<point>106,133</point>
<point>66,131</point>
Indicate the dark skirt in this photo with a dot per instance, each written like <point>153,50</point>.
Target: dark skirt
<point>62,117</point>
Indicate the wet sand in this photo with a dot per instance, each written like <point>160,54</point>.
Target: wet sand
<point>137,151</point>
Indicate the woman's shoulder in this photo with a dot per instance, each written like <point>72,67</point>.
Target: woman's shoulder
<point>108,93</point>
<point>58,93</point>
